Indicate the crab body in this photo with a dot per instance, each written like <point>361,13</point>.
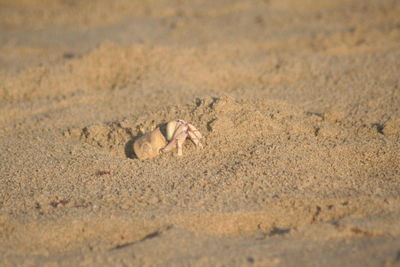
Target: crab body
<point>149,145</point>
<point>154,143</point>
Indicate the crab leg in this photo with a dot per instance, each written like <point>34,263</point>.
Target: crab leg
<point>171,145</point>
<point>177,140</point>
<point>195,135</point>
<point>195,139</point>
<point>194,131</point>
<point>177,131</point>
<point>179,144</point>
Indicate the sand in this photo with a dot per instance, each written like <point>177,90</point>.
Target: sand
<point>298,102</point>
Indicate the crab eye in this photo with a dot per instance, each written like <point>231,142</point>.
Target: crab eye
<point>170,129</point>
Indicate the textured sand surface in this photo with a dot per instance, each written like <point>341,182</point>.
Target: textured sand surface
<point>298,101</point>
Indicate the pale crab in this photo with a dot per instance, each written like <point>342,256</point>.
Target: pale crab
<point>177,131</point>
<point>153,143</point>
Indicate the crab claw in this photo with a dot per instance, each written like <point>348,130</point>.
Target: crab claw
<point>176,133</point>
<point>170,129</point>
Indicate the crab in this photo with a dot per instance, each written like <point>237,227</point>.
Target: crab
<point>177,131</point>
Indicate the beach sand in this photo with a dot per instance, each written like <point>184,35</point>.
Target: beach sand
<point>298,102</point>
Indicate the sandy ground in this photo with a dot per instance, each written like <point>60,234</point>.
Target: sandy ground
<point>298,100</point>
